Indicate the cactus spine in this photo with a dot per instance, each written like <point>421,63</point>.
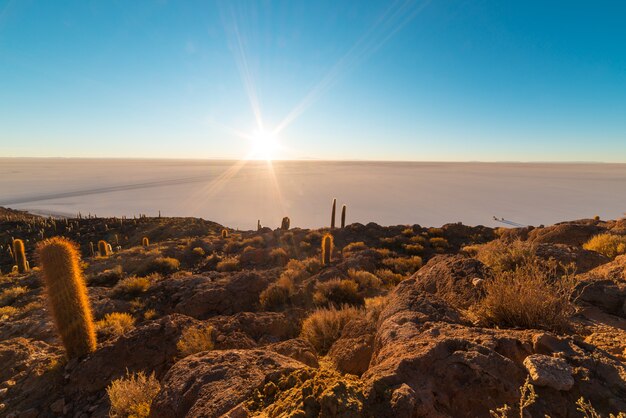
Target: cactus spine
<point>103,248</point>
<point>332,216</point>
<point>67,295</point>
<point>285,224</point>
<point>20,256</point>
<point>145,242</point>
<point>343,216</point>
<point>327,248</point>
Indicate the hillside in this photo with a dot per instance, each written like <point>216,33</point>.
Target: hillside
<point>403,321</point>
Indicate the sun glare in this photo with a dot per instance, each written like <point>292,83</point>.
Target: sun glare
<point>264,145</point>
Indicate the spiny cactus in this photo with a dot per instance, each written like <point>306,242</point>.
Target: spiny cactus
<point>67,295</point>
<point>285,224</point>
<point>327,248</point>
<point>258,225</point>
<point>91,250</point>
<point>343,216</point>
<point>103,248</point>
<point>332,216</point>
<point>20,256</point>
<point>224,233</point>
<point>145,242</point>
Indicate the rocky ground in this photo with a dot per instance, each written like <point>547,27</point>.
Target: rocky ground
<point>399,305</point>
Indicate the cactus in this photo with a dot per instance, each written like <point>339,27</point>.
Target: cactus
<point>332,216</point>
<point>285,224</point>
<point>103,248</point>
<point>93,253</point>
<point>327,248</point>
<point>20,256</point>
<point>67,295</point>
<point>258,225</point>
<point>145,242</point>
<point>224,233</point>
<point>343,216</point>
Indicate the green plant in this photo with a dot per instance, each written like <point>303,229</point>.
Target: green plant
<point>131,396</point>
<point>194,340</point>
<point>323,327</point>
<point>285,223</point>
<point>103,248</point>
<point>67,293</point>
<point>20,256</point>
<point>327,249</point>
<point>608,244</point>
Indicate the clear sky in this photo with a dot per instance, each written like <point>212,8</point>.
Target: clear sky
<point>374,80</point>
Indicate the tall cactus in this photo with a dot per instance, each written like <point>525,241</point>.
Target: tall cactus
<point>20,256</point>
<point>332,216</point>
<point>145,242</point>
<point>327,248</point>
<point>343,216</point>
<point>103,248</point>
<point>67,295</point>
<point>258,225</point>
<point>224,233</point>
<point>285,224</point>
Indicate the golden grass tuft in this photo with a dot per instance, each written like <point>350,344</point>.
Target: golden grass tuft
<point>500,255</point>
<point>337,292</point>
<point>607,244</point>
<point>228,264</point>
<point>115,324</point>
<point>132,286</point>
<point>10,295</point>
<point>132,395</point>
<point>403,265</point>
<point>324,326</point>
<point>195,340</point>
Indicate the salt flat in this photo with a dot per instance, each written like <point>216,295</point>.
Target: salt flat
<point>237,194</point>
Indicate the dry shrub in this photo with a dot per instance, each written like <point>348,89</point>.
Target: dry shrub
<point>418,239</point>
<point>110,276</point>
<point>8,296</point>
<point>365,279</point>
<point>402,265</point>
<point>414,248</point>
<point>131,286</point>
<point>337,292</point>
<point>374,306</point>
<point>7,312</point>
<point>324,326</point>
<point>132,396</point>
<point>388,277</point>
<point>149,314</point>
<point>228,264</point>
<point>534,295</point>
<point>384,252</point>
<point>502,256</point>
<point>277,294</point>
<point>115,324</point>
<point>407,232</point>
<point>607,244</point>
<point>437,232</point>
<point>194,340</point>
<point>198,252</point>
<point>354,247</point>
<point>257,242</point>
<point>279,256</point>
<point>311,264</point>
<point>162,265</point>
<point>438,243</point>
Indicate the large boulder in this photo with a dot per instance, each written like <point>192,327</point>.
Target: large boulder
<point>259,327</point>
<point>583,260</point>
<point>215,383</point>
<point>566,233</point>
<point>605,287</point>
<point>352,352</point>
<point>452,278</point>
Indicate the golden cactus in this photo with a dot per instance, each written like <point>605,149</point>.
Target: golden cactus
<point>343,216</point>
<point>327,248</point>
<point>67,295</point>
<point>145,242</point>
<point>285,224</point>
<point>103,248</point>
<point>332,216</point>
<point>20,256</point>
<point>224,233</point>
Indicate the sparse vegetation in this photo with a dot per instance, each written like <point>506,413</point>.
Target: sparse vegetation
<point>131,396</point>
<point>502,256</point>
<point>194,340</point>
<point>115,324</point>
<point>228,264</point>
<point>403,265</point>
<point>132,286</point>
<point>323,327</point>
<point>337,292</point>
<point>608,244</point>
<point>9,296</point>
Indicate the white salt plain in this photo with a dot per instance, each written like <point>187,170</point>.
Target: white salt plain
<point>237,194</point>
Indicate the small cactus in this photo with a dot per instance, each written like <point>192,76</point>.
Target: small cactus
<point>20,256</point>
<point>224,233</point>
<point>285,224</point>
<point>327,248</point>
<point>91,249</point>
<point>67,295</point>
<point>258,225</point>
<point>332,216</point>
<point>145,242</point>
<point>343,216</point>
<point>103,248</point>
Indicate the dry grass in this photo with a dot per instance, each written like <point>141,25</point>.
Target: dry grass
<point>374,306</point>
<point>194,340</point>
<point>8,311</point>
<point>365,279</point>
<point>132,286</point>
<point>277,294</point>
<point>228,264</point>
<point>534,295</point>
<point>502,256</point>
<point>354,247</point>
<point>388,277</point>
<point>337,292</point>
<point>404,265</point>
<point>279,256</point>
<point>132,396</point>
<point>115,324</point>
<point>9,296</point>
<point>414,248</point>
<point>438,243</point>
<point>608,244</point>
<point>324,326</point>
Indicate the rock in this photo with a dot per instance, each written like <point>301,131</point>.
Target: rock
<point>549,371</point>
<point>605,286</point>
<point>352,352</point>
<point>567,233</point>
<point>58,406</point>
<point>29,413</point>
<point>452,277</point>
<point>213,383</point>
<point>150,347</point>
<point>583,260</point>
<point>297,349</point>
<point>403,401</point>
<point>260,327</point>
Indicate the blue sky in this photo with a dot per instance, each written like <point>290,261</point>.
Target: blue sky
<point>373,80</point>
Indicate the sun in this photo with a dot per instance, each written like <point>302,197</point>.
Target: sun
<point>265,145</point>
